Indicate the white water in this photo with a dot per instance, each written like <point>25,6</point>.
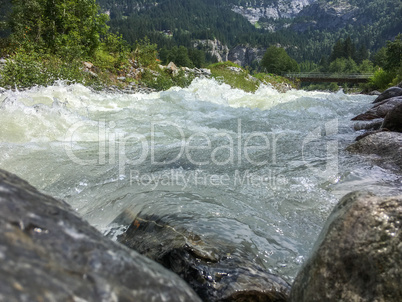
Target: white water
<point>263,170</point>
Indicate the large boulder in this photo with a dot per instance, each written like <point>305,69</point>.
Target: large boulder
<point>48,253</point>
<point>380,110</point>
<point>215,269</point>
<point>393,120</point>
<point>389,93</point>
<point>357,256</point>
<point>386,146</point>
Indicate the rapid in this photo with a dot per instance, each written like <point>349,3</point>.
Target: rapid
<point>262,169</point>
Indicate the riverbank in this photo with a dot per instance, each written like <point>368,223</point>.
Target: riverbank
<point>381,130</point>
<point>132,78</point>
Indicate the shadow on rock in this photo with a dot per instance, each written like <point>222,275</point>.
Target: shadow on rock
<point>211,267</point>
<point>48,253</point>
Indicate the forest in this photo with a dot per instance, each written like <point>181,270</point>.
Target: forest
<point>51,38</point>
<point>309,36</point>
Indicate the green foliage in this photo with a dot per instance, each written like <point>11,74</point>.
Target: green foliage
<point>368,23</point>
<point>308,66</point>
<point>145,53</point>
<point>390,58</point>
<point>381,80</point>
<point>343,65</point>
<point>394,54</point>
<point>70,28</point>
<point>233,75</point>
<point>163,79</point>
<point>277,61</point>
<point>276,81</point>
<point>28,69</point>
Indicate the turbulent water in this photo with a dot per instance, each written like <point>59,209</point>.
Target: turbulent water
<point>262,169</point>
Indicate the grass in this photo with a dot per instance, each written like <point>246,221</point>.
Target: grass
<point>235,76</point>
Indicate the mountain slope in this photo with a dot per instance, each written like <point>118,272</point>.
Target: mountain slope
<point>306,28</point>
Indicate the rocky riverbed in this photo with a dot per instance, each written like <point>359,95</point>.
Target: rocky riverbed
<point>228,243</point>
<point>382,130</point>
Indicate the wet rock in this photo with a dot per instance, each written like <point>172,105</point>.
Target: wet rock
<point>374,92</point>
<point>389,93</point>
<point>48,253</point>
<point>214,269</point>
<point>393,120</point>
<point>374,124</point>
<point>380,109</point>
<point>357,256</point>
<point>385,145</point>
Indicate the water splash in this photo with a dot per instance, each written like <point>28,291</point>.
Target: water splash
<point>244,166</point>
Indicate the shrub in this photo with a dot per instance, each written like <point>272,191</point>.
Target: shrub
<point>381,79</point>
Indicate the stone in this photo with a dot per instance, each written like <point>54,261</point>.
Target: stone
<point>380,109</point>
<point>374,92</point>
<point>357,256</point>
<point>121,79</point>
<point>88,65</point>
<point>373,124</point>
<point>172,68</point>
<point>385,145</point>
<point>48,253</point>
<point>389,93</point>
<point>215,269</point>
<point>393,120</point>
<point>206,72</point>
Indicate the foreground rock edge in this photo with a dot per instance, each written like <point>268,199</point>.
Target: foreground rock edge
<point>48,253</point>
<point>357,255</point>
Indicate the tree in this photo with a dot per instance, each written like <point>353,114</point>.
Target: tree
<point>72,28</point>
<point>277,61</point>
<point>394,54</point>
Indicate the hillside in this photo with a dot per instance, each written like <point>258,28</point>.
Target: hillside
<point>308,29</point>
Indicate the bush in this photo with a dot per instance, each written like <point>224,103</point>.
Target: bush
<point>277,61</point>
<point>381,80</point>
<point>163,79</point>
<point>28,69</point>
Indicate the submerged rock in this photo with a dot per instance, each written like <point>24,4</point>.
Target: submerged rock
<point>358,254</point>
<point>48,253</point>
<point>389,93</point>
<point>214,269</point>
<point>385,145</point>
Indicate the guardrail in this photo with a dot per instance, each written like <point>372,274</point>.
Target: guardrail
<point>330,77</point>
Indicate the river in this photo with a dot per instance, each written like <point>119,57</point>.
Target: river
<point>262,169</point>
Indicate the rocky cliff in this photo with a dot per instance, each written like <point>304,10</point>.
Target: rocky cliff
<point>254,10</point>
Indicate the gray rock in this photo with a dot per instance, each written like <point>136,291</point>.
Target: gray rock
<point>374,124</point>
<point>374,92</point>
<point>380,109</point>
<point>214,268</point>
<point>121,79</point>
<point>386,145</point>
<point>393,120</point>
<point>357,256</point>
<point>389,93</point>
<point>245,55</point>
<point>48,253</point>
<point>172,68</point>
